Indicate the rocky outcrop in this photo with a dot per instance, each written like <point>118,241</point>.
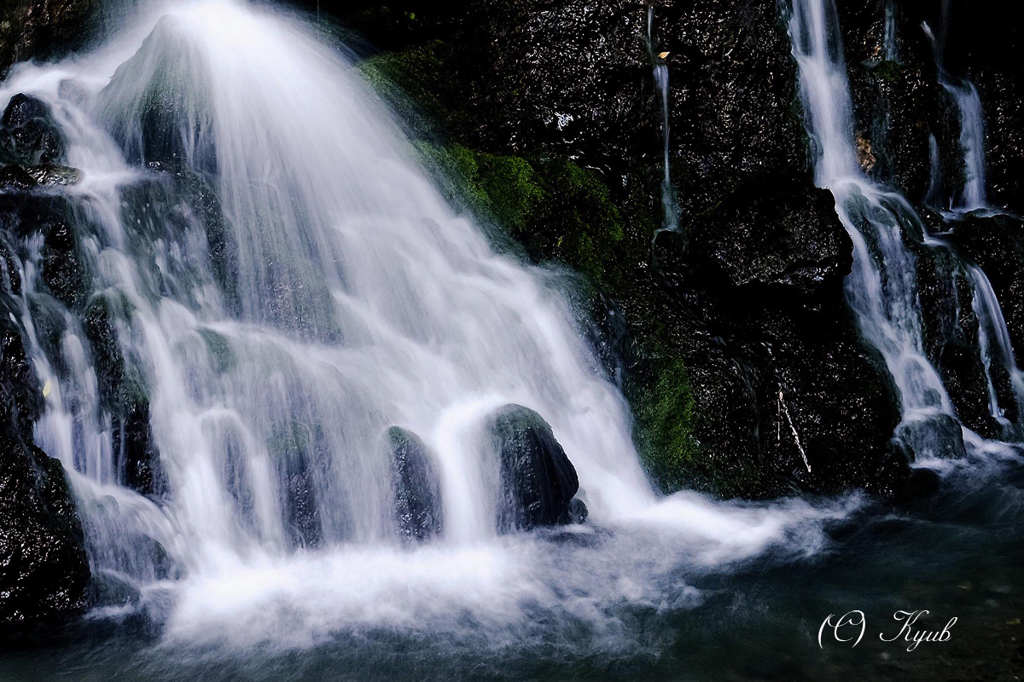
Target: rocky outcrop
<point>418,511</point>
<point>537,481</point>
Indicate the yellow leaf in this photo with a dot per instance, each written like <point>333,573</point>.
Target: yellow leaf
<point>47,387</point>
<point>663,55</point>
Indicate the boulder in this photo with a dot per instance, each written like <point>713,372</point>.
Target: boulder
<point>537,480</point>
<point>29,134</point>
<point>418,510</point>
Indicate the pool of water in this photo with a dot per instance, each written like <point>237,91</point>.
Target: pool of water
<point>956,553</point>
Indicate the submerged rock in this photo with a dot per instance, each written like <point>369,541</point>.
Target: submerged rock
<point>418,510</point>
<point>537,480</point>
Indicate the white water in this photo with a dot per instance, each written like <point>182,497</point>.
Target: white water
<point>994,343</point>
<point>358,300</point>
<point>670,209</point>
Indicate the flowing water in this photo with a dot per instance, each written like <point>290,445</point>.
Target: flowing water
<point>286,283</point>
<point>972,141</point>
<point>882,287</point>
<point>355,299</point>
<point>669,207</point>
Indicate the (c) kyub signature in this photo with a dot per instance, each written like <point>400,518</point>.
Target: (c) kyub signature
<point>851,627</point>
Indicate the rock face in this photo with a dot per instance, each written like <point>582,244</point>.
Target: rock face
<point>418,511</point>
<point>43,568</point>
<point>537,481</point>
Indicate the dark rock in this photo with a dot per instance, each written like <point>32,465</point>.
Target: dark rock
<point>996,244</point>
<point>300,456</point>
<point>419,513</point>
<point>775,233</point>
<point>29,134</point>
<point>153,107</point>
<point>537,480</point>
<point>124,397</point>
<point>43,567</point>
<point>13,178</point>
<point>578,511</point>
<point>42,29</point>
<point>950,334</point>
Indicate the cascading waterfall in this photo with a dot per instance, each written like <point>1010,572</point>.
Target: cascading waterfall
<point>972,196</point>
<point>669,207</point>
<point>881,287</point>
<point>972,142</point>
<point>284,284</point>
<point>994,344</point>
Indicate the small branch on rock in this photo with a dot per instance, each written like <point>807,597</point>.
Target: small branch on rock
<point>796,436</point>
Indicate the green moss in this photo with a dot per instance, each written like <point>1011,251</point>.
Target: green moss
<point>664,411</point>
<point>418,83</point>
<point>290,441</point>
<point>222,358</point>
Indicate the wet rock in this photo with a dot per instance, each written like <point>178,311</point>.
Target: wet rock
<point>42,29</point>
<point>775,233</point>
<point>29,134</point>
<point>54,176</point>
<point>419,514</point>
<point>937,435</point>
<point>578,511</point>
<point>124,397</point>
<point>43,567</point>
<point>537,480</point>
<point>950,335</point>
<point>996,244</point>
<point>897,106</point>
<point>151,112</point>
<point>13,178</point>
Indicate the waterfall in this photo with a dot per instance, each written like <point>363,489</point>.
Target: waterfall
<point>972,124</point>
<point>994,343</point>
<point>972,142</point>
<point>280,284</point>
<point>882,287</point>
<point>669,207</point>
